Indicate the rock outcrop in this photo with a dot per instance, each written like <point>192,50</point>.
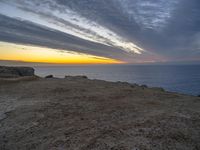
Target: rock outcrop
<point>49,76</point>
<point>76,77</point>
<point>14,72</point>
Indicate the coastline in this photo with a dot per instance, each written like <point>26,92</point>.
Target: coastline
<point>171,78</point>
<point>79,113</point>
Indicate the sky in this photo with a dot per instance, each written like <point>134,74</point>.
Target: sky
<point>100,31</point>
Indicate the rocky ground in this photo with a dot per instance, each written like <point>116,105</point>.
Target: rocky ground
<point>76,113</point>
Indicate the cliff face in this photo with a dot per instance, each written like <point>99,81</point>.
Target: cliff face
<point>13,72</point>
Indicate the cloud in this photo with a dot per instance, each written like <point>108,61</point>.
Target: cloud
<point>66,20</point>
<point>129,30</point>
<point>151,14</point>
<point>23,32</point>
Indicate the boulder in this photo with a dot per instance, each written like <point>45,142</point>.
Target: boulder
<point>158,89</point>
<point>144,86</point>
<point>83,77</point>
<point>76,77</point>
<point>134,85</point>
<point>49,76</point>
<point>14,72</point>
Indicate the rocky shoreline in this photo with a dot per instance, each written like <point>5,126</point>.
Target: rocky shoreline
<point>77,113</point>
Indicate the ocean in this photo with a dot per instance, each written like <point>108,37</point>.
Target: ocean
<point>175,78</point>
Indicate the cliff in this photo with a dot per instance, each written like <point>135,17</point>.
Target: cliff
<point>13,72</point>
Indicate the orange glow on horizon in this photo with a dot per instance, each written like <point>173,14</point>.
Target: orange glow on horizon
<point>16,52</point>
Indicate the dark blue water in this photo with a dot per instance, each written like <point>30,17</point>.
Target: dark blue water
<point>183,78</point>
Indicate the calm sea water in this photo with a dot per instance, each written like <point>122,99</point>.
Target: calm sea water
<point>182,79</point>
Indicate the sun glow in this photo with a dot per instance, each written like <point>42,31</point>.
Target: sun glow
<point>16,52</point>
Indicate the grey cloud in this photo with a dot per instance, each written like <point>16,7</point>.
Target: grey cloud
<point>23,32</point>
<point>84,26</point>
<point>178,19</point>
<point>166,29</point>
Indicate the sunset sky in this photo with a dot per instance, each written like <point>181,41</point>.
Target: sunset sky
<point>100,31</point>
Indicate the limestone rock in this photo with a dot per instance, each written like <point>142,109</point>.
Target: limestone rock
<point>13,72</point>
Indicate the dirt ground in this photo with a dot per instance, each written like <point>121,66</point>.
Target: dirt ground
<point>82,114</point>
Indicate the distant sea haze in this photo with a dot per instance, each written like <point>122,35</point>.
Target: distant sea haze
<point>175,78</point>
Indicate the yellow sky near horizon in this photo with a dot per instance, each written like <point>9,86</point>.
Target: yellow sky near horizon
<point>33,54</point>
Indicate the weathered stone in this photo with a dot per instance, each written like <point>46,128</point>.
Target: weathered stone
<point>13,72</point>
<point>49,76</point>
<point>158,89</point>
<point>144,86</point>
<point>134,85</point>
<point>76,77</point>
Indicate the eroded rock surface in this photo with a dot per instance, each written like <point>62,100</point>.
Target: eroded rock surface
<point>13,72</point>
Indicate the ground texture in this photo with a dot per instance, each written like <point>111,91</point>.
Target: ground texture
<point>81,114</point>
